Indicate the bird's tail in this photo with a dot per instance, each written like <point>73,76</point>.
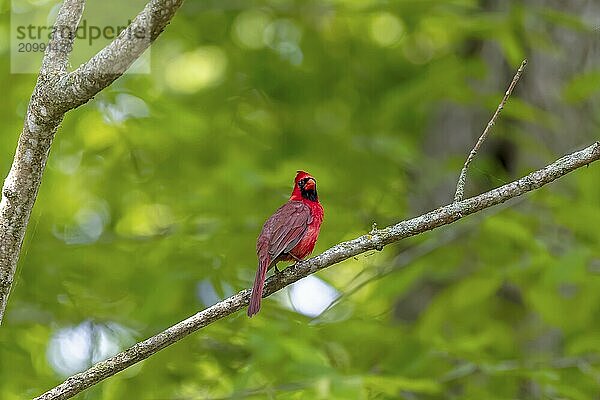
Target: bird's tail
<point>257,288</point>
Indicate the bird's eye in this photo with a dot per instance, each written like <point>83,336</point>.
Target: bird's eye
<point>303,182</point>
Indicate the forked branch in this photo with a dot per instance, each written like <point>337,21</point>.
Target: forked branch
<point>23,181</point>
<point>56,92</point>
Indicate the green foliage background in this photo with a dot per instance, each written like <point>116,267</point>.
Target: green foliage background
<point>157,189</point>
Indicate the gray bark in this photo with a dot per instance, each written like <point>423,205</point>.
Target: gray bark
<point>23,181</point>
<point>56,92</point>
<point>375,240</point>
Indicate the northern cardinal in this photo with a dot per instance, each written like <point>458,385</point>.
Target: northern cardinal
<point>289,234</point>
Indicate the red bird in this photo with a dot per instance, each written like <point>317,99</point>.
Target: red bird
<point>289,234</point>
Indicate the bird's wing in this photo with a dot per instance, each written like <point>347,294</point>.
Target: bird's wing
<point>284,229</point>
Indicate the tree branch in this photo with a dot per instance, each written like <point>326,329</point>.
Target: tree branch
<point>56,92</point>
<point>25,176</point>
<point>398,263</point>
<point>56,58</point>
<point>462,179</point>
<point>112,61</point>
<point>376,239</point>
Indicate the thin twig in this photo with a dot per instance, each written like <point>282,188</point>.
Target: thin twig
<point>376,239</point>
<point>460,186</point>
<point>466,367</point>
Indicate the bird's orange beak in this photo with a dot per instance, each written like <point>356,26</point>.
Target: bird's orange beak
<point>310,184</point>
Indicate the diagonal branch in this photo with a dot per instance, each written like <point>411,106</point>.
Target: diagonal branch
<point>56,92</point>
<point>407,256</point>
<point>112,61</point>
<point>462,179</point>
<point>398,263</point>
<point>375,240</point>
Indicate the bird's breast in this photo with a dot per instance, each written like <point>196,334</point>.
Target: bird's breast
<point>306,245</point>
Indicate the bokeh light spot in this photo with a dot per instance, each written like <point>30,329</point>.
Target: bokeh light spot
<point>283,36</point>
<point>248,29</point>
<point>123,108</point>
<point>75,348</point>
<point>196,70</point>
<point>146,220</point>
<point>311,296</point>
<point>386,29</point>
